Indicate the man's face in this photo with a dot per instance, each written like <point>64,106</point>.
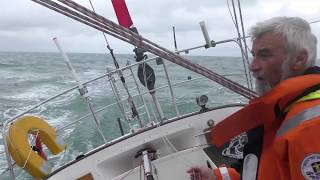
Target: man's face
<point>269,54</point>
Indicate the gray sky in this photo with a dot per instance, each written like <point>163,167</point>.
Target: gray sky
<point>27,26</point>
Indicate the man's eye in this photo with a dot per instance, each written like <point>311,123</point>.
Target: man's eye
<point>265,54</point>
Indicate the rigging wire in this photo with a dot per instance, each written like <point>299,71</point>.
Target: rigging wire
<point>241,39</point>
<point>116,64</point>
<point>100,23</point>
<point>104,35</point>
<point>106,40</point>
<point>244,56</point>
<point>231,14</point>
<point>244,42</point>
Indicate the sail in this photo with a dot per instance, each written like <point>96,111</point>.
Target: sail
<point>122,13</point>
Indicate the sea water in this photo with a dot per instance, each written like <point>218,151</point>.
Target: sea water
<point>27,79</point>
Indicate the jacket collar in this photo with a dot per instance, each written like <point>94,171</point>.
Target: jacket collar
<point>262,110</point>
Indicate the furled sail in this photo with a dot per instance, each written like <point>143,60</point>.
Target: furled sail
<point>122,13</point>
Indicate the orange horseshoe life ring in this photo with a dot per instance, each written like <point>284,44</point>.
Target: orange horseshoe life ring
<point>22,152</point>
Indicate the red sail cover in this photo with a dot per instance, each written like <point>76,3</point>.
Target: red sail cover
<point>122,13</point>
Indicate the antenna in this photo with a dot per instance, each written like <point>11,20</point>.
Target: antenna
<point>175,41</point>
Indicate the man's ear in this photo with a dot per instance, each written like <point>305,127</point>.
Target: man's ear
<point>300,61</point>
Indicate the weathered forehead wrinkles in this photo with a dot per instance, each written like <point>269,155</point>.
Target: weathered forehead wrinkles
<point>269,41</point>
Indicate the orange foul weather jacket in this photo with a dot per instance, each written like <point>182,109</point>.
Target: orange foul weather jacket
<point>283,129</point>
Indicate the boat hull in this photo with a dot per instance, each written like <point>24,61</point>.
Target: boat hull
<point>179,144</point>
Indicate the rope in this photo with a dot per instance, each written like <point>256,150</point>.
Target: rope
<point>25,163</point>
<point>100,23</point>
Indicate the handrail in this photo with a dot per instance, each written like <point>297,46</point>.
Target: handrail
<point>134,95</point>
<point>8,121</point>
<point>140,93</point>
<point>86,16</point>
<point>50,99</point>
<point>93,80</point>
<point>71,89</point>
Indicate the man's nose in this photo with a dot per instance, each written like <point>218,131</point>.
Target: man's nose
<point>254,65</point>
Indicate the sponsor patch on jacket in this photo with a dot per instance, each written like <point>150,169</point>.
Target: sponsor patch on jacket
<point>310,167</point>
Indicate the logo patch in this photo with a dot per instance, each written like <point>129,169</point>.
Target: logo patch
<point>310,167</point>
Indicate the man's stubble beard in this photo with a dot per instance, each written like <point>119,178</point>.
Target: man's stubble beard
<point>263,87</point>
